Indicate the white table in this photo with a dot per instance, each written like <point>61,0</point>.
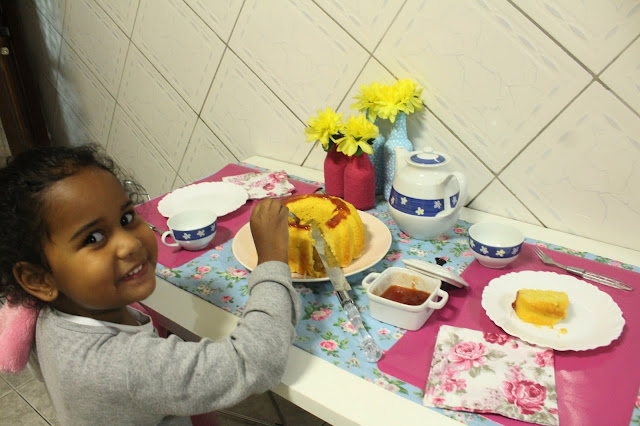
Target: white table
<point>317,386</point>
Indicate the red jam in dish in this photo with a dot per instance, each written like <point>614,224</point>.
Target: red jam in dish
<point>404,295</point>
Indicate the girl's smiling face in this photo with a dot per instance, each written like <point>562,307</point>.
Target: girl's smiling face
<point>101,254</point>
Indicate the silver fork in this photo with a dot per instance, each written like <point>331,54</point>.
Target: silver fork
<point>592,276</point>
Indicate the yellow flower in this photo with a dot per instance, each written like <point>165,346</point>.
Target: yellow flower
<point>357,133</point>
<point>387,101</point>
<point>409,92</point>
<point>390,103</point>
<point>368,98</point>
<point>323,127</point>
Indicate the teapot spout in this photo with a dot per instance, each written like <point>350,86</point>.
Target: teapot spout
<point>402,154</point>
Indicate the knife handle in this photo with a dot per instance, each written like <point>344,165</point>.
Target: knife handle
<point>600,279</point>
<point>371,350</point>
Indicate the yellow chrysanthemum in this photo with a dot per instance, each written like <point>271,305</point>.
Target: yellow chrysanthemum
<point>323,127</point>
<point>389,104</point>
<point>367,99</point>
<point>409,92</point>
<point>357,133</point>
<point>403,95</point>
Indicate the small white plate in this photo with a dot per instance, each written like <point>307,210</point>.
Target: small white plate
<point>593,318</point>
<point>377,239</point>
<point>220,197</point>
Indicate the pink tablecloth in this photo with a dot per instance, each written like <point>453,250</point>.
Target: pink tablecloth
<point>595,387</point>
<point>228,225</point>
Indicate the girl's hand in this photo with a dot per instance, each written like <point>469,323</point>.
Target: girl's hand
<point>270,230</point>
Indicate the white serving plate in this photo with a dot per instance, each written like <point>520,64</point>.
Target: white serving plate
<point>593,318</point>
<point>377,242</point>
<point>220,197</point>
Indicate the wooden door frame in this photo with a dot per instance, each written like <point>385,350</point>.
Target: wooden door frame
<point>20,109</point>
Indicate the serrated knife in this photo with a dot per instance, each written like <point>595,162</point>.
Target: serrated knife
<point>371,350</point>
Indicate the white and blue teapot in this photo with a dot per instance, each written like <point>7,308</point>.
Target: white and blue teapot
<point>427,194</point>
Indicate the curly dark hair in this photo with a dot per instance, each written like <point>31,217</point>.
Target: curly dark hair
<point>23,186</point>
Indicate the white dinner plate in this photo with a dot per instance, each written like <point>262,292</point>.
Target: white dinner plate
<point>593,318</point>
<point>220,197</point>
<point>377,239</point>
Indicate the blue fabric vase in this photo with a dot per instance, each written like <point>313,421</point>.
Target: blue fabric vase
<point>377,159</point>
<point>397,137</point>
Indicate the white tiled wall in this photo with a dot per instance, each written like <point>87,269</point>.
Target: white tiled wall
<point>538,101</point>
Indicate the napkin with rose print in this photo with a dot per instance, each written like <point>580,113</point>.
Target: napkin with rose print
<point>492,373</point>
<point>263,184</point>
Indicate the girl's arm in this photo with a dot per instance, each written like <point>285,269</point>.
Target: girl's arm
<point>184,378</point>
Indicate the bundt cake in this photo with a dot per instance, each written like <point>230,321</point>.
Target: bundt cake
<point>541,307</point>
<point>339,223</point>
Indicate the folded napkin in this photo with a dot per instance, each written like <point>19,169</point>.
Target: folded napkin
<point>492,373</point>
<point>263,184</point>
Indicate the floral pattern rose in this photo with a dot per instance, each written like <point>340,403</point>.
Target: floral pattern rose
<point>527,395</point>
<point>466,355</point>
<point>500,339</point>
<point>203,269</point>
<point>392,256</point>
<point>451,383</point>
<point>544,359</point>
<point>238,273</point>
<point>329,345</point>
<point>321,314</point>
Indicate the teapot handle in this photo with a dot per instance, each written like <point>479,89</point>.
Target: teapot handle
<point>462,183</point>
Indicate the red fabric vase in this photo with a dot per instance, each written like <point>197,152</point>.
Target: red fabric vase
<point>360,182</point>
<point>334,164</point>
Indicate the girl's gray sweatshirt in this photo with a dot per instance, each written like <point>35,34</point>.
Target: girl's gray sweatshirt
<point>103,375</point>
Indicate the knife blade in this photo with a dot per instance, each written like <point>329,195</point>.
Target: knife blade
<point>334,272</point>
<point>371,350</point>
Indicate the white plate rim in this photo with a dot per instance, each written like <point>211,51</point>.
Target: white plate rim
<point>221,197</point>
<point>379,242</point>
<point>606,316</point>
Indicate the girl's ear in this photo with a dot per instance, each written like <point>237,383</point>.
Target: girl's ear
<point>35,281</point>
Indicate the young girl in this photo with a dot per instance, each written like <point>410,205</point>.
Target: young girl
<point>74,248</point>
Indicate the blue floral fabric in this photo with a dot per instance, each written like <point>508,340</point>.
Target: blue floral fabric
<point>324,331</point>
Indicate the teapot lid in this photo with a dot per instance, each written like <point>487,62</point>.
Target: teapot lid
<point>427,157</point>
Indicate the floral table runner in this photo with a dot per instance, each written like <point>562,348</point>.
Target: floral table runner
<point>324,331</point>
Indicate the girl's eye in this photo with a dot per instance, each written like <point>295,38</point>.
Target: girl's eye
<point>126,219</point>
<point>94,237</point>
